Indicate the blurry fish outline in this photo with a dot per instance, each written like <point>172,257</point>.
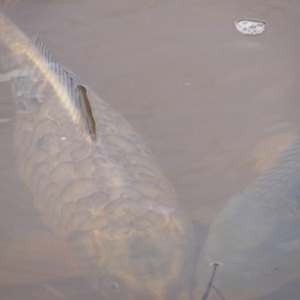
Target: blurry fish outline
<point>257,234</point>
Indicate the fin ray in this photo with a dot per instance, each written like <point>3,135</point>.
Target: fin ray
<point>77,92</point>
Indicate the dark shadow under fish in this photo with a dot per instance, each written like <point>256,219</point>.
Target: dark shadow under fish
<point>94,182</point>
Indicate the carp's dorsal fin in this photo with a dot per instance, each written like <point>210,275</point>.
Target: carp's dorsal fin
<point>81,109</point>
<point>86,112</point>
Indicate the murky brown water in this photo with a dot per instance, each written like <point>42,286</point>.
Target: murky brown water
<point>214,106</point>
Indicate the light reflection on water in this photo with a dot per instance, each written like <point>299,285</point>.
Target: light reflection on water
<point>204,134</point>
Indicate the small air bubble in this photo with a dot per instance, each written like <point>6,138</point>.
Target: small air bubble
<point>250,27</point>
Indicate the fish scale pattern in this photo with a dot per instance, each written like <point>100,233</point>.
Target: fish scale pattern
<point>108,198</point>
<point>73,181</point>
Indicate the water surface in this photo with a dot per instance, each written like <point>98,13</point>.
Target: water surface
<point>215,107</point>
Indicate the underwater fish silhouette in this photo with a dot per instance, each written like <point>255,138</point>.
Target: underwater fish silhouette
<point>255,241</point>
<point>93,180</point>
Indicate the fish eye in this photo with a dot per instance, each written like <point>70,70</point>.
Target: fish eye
<point>114,287</point>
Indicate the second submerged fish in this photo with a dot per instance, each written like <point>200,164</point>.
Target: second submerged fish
<point>255,240</point>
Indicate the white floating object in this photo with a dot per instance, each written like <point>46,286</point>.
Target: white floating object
<point>250,27</point>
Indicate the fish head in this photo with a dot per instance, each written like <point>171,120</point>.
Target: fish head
<point>137,262</point>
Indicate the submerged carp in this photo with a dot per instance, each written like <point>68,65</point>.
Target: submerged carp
<point>256,239</point>
<point>94,182</point>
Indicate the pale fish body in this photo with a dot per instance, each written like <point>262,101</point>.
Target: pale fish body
<point>256,239</point>
<point>95,183</point>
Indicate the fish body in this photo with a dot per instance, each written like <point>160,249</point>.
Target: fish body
<point>256,239</point>
<point>93,180</point>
